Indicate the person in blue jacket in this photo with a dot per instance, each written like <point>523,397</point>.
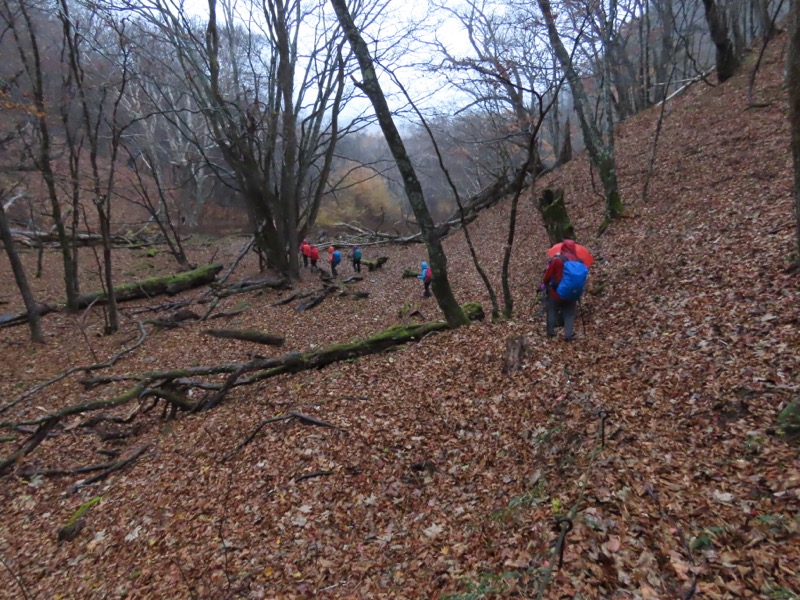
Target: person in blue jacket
<point>427,276</point>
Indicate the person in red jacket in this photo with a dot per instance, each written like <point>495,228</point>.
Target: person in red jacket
<point>305,249</point>
<point>313,256</point>
<point>558,307</point>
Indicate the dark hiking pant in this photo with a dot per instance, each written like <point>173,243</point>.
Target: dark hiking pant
<point>561,309</point>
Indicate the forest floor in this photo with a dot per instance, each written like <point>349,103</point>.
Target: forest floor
<point>653,433</point>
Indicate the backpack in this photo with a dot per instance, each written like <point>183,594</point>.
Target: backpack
<point>357,254</point>
<point>428,275</point>
<point>573,281</point>
<point>337,257</point>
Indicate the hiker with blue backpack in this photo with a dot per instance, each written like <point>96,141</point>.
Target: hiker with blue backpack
<point>427,276</point>
<point>355,256</point>
<point>564,282</point>
<point>334,258</point>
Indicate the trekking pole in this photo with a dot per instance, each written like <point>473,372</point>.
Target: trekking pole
<point>583,317</point>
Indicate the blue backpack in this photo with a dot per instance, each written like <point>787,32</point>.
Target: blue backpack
<point>357,254</point>
<point>573,281</point>
<point>337,257</point>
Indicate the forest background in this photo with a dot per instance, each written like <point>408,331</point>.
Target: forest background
<point>421,489</point>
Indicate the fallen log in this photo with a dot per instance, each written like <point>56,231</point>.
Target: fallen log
<point>252,285</point>
<point>14,319</point>
<point>248,335</point>
<point>155,286</point>
<point>159,383</point>
<point>309,304</point>
<point>35,239</point>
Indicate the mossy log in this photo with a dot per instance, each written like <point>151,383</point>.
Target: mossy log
<point>373,265</point>
<point>155,286</point>
<point>159,384</point>
<point>409,273</point>
<point>247,335</point>
<point>73,527</point>
<point>555,217</point>
<point>789,418</point>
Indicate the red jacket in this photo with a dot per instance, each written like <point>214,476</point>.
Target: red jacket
<point>313,253</point>
<point>553,274</point>
<point>305,249</point>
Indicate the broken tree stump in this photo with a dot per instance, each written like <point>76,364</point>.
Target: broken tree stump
<point>517,349</point>
<point>247,335</point>
<point>373,265</point>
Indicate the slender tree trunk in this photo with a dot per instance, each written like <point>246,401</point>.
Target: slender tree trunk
<point>727,62</point>
<point>33,66</point>
<point>600,152</point>
<point>767,26</point>
<point>453,313</point>
<point>19,276</point>
<point>793,84</point>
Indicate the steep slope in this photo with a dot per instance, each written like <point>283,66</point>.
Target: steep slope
<point>653,432</point>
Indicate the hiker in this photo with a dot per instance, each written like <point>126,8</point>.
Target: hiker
<point>313,256</point>
<point>564,280</point>
<point>305,249</point>
<point>427,276</point>
<point>334,258</point>
<point>355,256</point>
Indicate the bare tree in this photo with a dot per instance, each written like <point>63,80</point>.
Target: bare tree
<point>101,116</point>
<point>272,109</point>
<point>599,140</point>
<point>727,61</point>
<point>19,276</point>
<point>20,17</point>
<point>441,286</point>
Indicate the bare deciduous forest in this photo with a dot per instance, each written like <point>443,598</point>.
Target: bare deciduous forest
<point>230,423</point>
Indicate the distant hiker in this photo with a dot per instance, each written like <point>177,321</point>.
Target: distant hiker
<point>305,249</point>
<point>355,256</point>
<point>564,279</point>
<point>427,276</point>
<point>313,256</point>
<point>334,258</point>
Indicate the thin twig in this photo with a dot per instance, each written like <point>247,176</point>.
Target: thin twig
<point>95,367</point>
<point>120,464</point>
<point>16,578</point>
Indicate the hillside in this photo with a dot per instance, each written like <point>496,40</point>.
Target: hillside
<point>443,475</point>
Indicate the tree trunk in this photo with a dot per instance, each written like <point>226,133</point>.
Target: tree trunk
<point>247,335</point>
<point>727,62</point>
<point>793,84</point>
<point>44,158</point>
<point>555,217</point>
<point>767,26</point>
<point>441,286</point>
<point>601,152</point>
<point>565,155</point>
<point>19,277</point>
